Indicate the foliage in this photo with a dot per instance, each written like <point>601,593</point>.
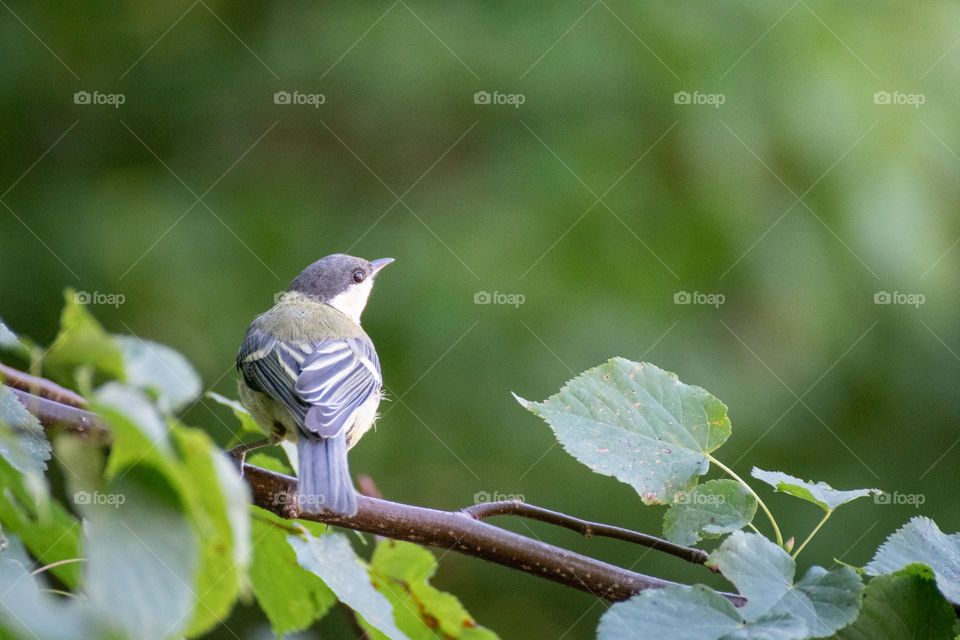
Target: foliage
<point>921,541</point>
<point>904,604</point>
<point>635,414</point>
<point>598,96</point>
<point>638,423</point>
<point>169,542</point>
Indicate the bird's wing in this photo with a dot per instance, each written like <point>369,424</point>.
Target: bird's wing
<point>322,383</point>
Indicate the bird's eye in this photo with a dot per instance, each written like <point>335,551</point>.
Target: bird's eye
<point>358,276</point>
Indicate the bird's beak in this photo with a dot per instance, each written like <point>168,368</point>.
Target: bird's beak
<point>380,264</point>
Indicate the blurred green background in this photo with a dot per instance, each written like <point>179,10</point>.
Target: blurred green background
<point>600,199</point>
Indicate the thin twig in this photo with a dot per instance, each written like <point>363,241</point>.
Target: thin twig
<point>807,540</point>
<point>53,415</point>
<point>583,527</point>
<point>730,472</point>
<point>39,387</point>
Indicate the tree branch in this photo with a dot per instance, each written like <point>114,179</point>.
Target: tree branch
<point>583,527</point>
<point>462,531</point>
<point>39,386</point>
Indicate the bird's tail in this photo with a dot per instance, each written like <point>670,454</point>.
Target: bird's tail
<point>324,482</point>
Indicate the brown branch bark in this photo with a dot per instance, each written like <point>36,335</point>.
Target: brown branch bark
<point>584,527</point>
<point>39,387</point>
<point>462,531</point>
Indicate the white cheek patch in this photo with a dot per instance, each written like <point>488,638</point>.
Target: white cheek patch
<point>353,300</point>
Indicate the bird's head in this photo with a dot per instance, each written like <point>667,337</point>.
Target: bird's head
<point>341,281</point>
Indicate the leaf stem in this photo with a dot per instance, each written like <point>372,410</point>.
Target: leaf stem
<point>58,563</point>
<point>813,533</point>
<point>732,474</point>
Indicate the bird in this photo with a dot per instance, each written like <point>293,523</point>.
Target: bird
<point>309,373</point>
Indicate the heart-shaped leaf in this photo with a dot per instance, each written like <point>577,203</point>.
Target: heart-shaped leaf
<point>639,424</point>
<point>691,613</point>
<point>764,574</point>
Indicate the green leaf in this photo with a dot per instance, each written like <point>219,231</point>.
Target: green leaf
<point>249,429</point>
<point>213,495</point>
<point>139,432</point>
<point>401,571</point>
<point>141,557</point>
<point>711,509</point>
<point>333,560</point>
<point>82,343</point>
<point>23,443</point>
<point>764,574</point>
<point>906,604</point>
<point>217,502</point>
<point>160,369</point>
<point>9,341</point>
<point>291,597</point>
<point>51,536</point>
<point>920,540</point>
<point>639,424</point>
<point>691,613</point>
<point>28,613</point>
<point>819,493</point>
